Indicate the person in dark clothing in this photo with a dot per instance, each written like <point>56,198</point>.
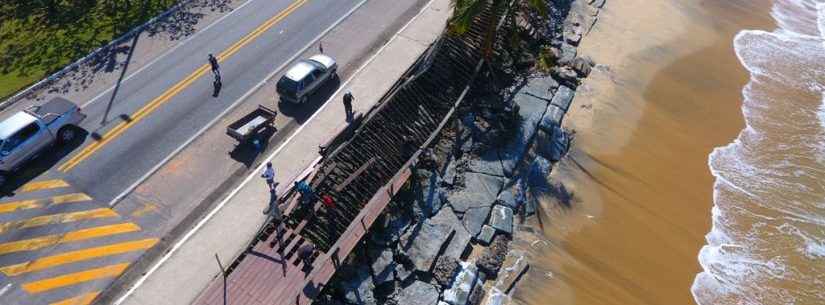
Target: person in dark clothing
<point>305,253</point>
<point>215,67</point>
<point>348,105</point>
<point>216,85</point>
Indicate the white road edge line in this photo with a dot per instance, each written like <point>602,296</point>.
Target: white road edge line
<point>217,208</point>
<point>231,107</point>
<point>183,42</point>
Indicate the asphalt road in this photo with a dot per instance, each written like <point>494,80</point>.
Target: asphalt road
<point>59,236</point>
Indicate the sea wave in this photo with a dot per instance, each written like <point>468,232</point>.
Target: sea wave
<point>767,241</point>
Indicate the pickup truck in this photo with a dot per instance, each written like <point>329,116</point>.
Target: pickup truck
<point>26,134</point>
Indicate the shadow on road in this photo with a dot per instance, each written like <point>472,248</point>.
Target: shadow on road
<point>301,112</point>
<point>34,168</point>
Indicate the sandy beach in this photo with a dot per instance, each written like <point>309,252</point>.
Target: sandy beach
<point>665,93</point>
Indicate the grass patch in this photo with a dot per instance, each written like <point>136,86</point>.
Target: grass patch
<point>38,38</point>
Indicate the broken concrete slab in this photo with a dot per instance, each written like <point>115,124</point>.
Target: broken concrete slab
<point>383,267</point>
<point>358,288</point>
<point>514,267</point>
<point>474,219</point>
<point>486,235</point>
<point>479,190</point>
<point>418,293</point>
<point>463,285</point>
<point>515,150</point>
<point>501,218</point>
<point>552,118</point>
<point>563,97</point>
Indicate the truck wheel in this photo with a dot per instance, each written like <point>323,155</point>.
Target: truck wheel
<point>66,134</point>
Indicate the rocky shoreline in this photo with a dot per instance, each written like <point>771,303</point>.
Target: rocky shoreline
<point>445,238</point>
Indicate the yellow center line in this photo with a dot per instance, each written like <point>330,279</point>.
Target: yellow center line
<point>38,203</point>
<point>83,299</point>
<point>74,278</point>
<point>73,236</point>
<point>42,185</point>
<point>77,256</point>
<point>57,218</point>
<point>150,107</point>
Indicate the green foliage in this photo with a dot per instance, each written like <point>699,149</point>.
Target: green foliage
<point>465,11</point>
<point>39,37</point>
<point>546,60</point>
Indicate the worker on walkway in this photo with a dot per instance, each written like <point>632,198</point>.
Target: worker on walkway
<point>269,175</point>
<point>348,105</point>
<point>305,253</point>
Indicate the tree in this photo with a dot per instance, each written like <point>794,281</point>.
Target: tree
<point>465,11</point>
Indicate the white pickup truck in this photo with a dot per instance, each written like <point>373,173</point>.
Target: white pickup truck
<point>24,135</point>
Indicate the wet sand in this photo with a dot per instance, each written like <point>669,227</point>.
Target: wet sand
<point>667,91</point>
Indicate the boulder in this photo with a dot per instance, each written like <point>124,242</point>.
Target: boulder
<point>507,198</point>
<point>418,293</point>
<point>465,281</point>
<point>486,235</point>
<point>461,238</point>
<point>358,288</point>
<point>450,174</point>
<point>514,267</point>
<point>383,267</point>
<point>392,230</point>
<point>479,190</point>
<point>514,151</point>
<point>565,75</point>
<point>539,87</point>
<point>529,103</point>
<point>568,54</point>
<point>474,219</point>
<point>563,98</point>
<point>551,118</point>
<point>402,274</point>
<point>501,219</point>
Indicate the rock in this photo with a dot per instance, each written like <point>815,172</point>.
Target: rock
<point>553,145</point>
<point>537,175</point>
<point>502,219</point>
<point>597,3</point>
<point>418,293</point>
<point>489,163</point>
<point>583,66</point>
<point>477,294</point>
<point>552,118</point>
<point>392,231</point>
<point>462,286</point>
<point>475,218</point>
<point>445,271</point>
<point>479,190</point>
<point>568,54</point>
<point>530,104</point>
<point>566,75</point>
<point>563,98</point>
<point>422,244</point>
<point>486,235</point>
<point>573,38</point>
<point>450,174</point>
<point>493,257</point>
<point>496,297</point>
<point>459,242</point>
<point>514,267</point>
<point>429,197</point>
<point>539,87</point>
<point>402,273</point>
<point>514,151</point>
<point>383,268</point>
<point>358,288</point>
<point>507,198</point>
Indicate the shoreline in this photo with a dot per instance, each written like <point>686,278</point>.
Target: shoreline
<point>649,116</point>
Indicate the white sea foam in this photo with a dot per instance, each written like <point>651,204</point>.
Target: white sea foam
<point>768,218</point>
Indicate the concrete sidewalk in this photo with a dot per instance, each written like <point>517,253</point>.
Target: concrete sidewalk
<point>181,274</point>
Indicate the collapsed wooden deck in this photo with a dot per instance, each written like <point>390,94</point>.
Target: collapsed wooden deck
<point>362,170</point>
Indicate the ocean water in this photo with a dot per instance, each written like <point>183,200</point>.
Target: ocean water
<point>767,241</point>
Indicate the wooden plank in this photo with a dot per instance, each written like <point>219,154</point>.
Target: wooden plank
<point>353,176</point>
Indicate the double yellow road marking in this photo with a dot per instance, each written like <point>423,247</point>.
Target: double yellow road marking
<point>147,109</point>
<point>42,185</point>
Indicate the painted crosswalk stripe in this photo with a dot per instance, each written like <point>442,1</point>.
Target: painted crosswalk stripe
<point>57,218</point>
<point>78,235</point>
<point>13,206</point>
<point>84,299</point>
<point>74,278</point>
<point>77,256</point>
<point>42,185</point>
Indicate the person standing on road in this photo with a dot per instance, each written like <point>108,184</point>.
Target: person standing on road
<point>216,86</point>
<point>269,175</point>
<point>348,104</point>
<point>215,67</point>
